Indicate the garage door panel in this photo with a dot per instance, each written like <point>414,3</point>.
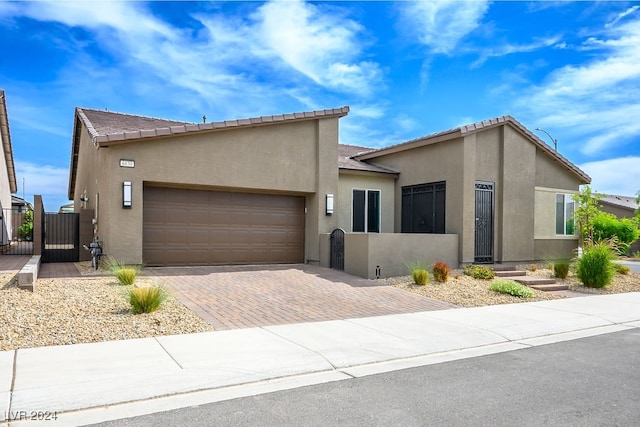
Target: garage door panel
<point>196,227</point>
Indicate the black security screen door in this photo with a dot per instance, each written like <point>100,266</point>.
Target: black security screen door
<point>484,223</point>
<point>423,208</point>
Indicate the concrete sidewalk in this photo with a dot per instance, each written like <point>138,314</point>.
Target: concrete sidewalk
<point>88,383</point>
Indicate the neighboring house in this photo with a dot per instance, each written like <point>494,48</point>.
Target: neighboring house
<point>8,183</point>
<point>622,207</point>
<point>68,208</point>
<point>272,189</point>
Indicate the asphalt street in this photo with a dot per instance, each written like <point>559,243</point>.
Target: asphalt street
<point>586,382</point>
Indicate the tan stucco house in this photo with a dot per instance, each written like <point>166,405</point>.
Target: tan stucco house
<point>272,189</point>
<point>8,183</point>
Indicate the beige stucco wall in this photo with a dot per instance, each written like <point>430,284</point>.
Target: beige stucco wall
<point>501,155</point>
<point>364,253</point>
<point>518,197</point>
<point>348,181</point>
<point>552,174</point>
<point>431,163</point>
<point>298,158</point>
<point>555,249</point>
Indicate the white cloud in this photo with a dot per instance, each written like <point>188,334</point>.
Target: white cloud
<point>48,181</point>
<point>508,49</point>
<point>619,176</point>
<point>595,102</point>
<point>621,15</point>
<point>282,45</point>
<point>322,46</point>
<point>441,25</point>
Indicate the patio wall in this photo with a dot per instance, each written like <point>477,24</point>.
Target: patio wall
<point>390,252</point>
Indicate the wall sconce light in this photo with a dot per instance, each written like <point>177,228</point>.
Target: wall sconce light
<point>84,199</point>
<point>329,204</point>
<point>126,194</point>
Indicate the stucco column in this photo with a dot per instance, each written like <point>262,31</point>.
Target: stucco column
<point>318,221</point>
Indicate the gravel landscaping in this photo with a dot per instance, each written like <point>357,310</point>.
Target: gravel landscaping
<point>95,308</point>
<point>465,291</point>
<point>92,309</point>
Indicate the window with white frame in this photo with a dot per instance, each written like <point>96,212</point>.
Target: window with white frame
<point>565,208</point>
<point>365,211</point>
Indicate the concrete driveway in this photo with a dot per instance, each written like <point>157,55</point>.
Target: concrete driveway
<point>252,296</point>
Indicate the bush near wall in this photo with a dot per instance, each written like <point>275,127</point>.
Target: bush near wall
<point>625,230</point>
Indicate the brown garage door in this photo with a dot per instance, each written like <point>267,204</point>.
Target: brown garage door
<point>199,227</point>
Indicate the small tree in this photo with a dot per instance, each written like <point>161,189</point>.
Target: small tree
<point>26,229</point>
<point>585,212</point>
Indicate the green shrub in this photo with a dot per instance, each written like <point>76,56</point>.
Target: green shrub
<point>146,300</point>
<point>419,272</point>
<point>561,269</point>
<point>595,268</point>
<point>512,288</point>
<point>620,268</point>
<point>441,271</point>
<point>125,274</point>
<point>420,277</point>
<point>607,226</point>
<point>479,272</point>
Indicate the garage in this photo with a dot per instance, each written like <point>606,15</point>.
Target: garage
<point>202,227</point>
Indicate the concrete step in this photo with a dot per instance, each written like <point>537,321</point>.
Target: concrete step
<point>510,273</point>
<point>531,280</point>
<point>501,267</point>
<point>548,288</point>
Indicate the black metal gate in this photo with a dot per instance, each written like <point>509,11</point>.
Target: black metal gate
<point>484,223</point>
<point>337,249</point>
<point>16,231</point>
<point>61,237</point>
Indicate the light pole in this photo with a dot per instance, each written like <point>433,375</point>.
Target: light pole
<point>555,141</point>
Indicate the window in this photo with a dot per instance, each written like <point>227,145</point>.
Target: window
<point>565,206</point>
<point>366,211</point>
<point>423,208</point>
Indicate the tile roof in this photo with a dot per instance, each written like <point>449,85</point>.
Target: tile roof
<point>6,143</point>
<point>627,202</point>
<point>106,127</point>
<point>347,162</point>
<point>476,127</point>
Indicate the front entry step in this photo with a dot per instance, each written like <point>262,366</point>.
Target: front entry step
<point>510,273</point>
<point>540,283</point>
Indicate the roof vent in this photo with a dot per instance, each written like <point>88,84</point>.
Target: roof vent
<point>204,119</point>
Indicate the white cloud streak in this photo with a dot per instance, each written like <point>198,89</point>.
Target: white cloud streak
<point>595,102</point>
<point>619,176</point>
<point>440,25</point>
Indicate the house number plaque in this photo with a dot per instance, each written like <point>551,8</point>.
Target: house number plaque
<point>124,163</point>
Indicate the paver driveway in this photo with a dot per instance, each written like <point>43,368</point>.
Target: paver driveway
<point>250,296</point>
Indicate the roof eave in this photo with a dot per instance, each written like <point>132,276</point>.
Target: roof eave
<point>125,137</point>
<point>6,144</point>
<point>409,145</point>
<point>362,172</point>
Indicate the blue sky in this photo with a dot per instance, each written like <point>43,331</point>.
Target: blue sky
<point>406,69</point>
